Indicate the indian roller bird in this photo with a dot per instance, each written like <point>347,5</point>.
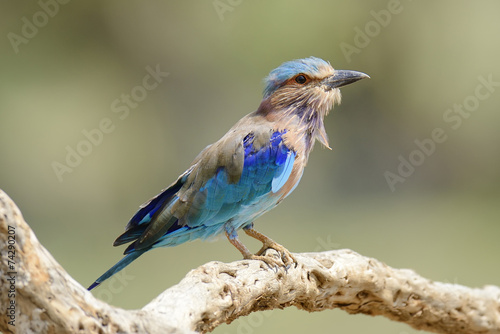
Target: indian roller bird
<point>249,171</point>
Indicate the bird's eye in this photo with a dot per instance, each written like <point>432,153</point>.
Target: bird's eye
<point>300,79</point>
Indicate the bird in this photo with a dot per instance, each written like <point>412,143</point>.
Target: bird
<point>246,173</point>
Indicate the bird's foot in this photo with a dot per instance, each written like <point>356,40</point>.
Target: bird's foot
<point>273,262</point>
<point>285,256</point>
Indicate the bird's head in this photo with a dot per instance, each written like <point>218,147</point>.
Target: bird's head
<point>303,91</point>
<point>309,83</point>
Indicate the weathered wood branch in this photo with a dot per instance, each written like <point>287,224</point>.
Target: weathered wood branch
<point>48,300</point>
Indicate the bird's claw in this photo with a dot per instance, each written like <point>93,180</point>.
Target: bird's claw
<point>272,262</point>
<point>286,258</point>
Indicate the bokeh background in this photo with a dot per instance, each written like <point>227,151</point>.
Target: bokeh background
<point>61,79</point>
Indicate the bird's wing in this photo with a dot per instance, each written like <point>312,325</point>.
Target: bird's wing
<point>238,170</point>
<point>267,165</point>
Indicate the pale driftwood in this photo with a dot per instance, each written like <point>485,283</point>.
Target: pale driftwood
<point>48,300</point>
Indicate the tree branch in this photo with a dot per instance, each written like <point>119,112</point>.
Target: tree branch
<point>48,300</point>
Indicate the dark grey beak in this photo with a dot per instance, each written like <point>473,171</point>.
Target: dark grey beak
<point>343,77</point>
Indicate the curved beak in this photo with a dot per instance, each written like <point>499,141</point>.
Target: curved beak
<point>343,77</point>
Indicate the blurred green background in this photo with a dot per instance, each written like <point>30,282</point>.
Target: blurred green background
<point>62,77</point>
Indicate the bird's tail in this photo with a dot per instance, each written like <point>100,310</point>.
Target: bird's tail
<point>118,266</point>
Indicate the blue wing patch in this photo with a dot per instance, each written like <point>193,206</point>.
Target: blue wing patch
<point>274,162</point>
<point>283,172</point>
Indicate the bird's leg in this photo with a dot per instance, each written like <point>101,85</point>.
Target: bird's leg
<point>267,242</point>
<point>232,236</point>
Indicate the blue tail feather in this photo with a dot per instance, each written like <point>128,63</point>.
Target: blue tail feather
<point>117,267</point>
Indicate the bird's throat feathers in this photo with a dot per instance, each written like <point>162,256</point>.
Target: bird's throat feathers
<point>303,111</point>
